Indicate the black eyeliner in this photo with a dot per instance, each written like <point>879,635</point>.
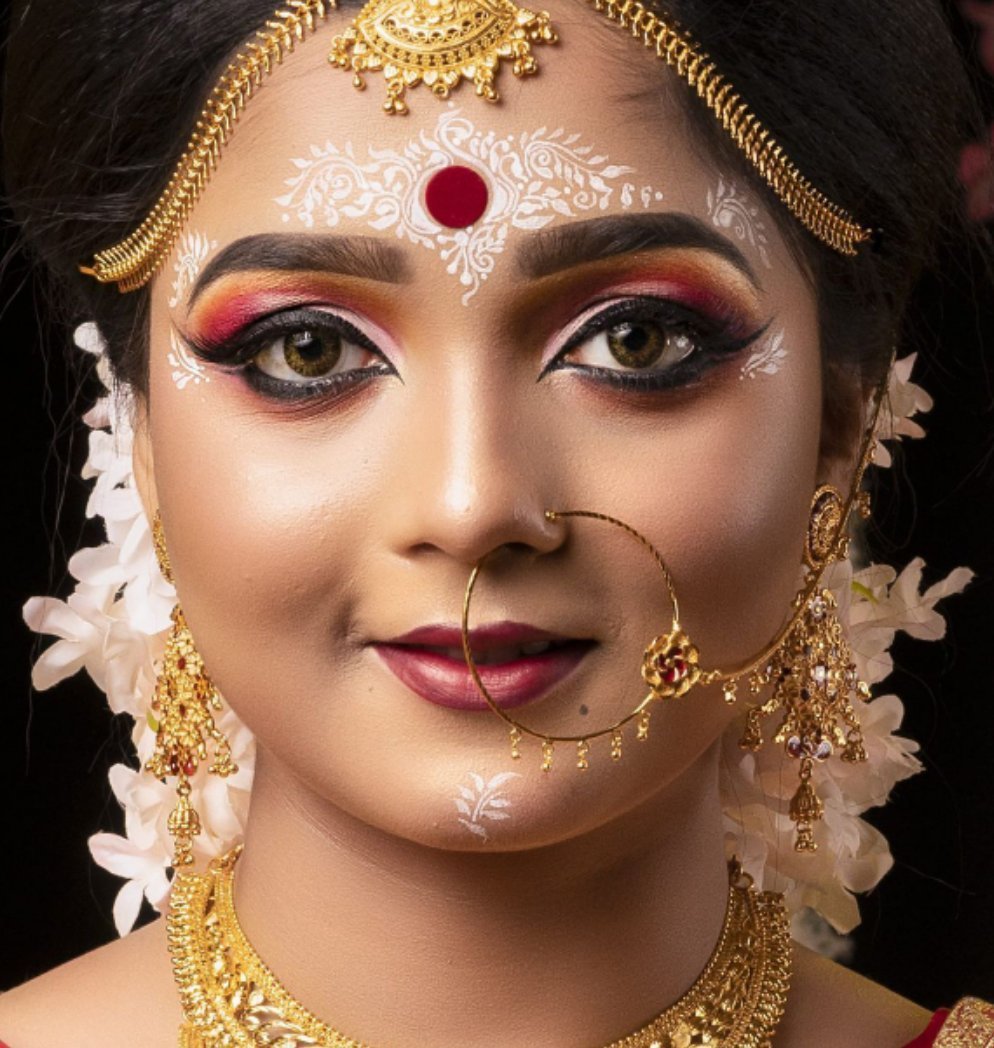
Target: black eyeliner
<point>237,354</point>
<point>713,341</point>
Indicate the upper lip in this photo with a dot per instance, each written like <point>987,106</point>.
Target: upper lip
<point>481,638</point>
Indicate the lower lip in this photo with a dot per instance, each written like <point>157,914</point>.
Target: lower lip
<point>447,682</point>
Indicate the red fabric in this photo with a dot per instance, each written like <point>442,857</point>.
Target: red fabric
<point>924,1040</point>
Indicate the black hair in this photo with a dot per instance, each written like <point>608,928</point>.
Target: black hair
<point>870,100</point>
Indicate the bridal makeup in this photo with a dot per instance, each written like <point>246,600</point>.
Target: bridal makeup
<point>384,399</point>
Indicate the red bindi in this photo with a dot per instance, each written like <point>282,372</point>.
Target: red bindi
<point>456,196</point>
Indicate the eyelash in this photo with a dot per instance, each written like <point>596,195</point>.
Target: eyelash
<point>714,343</point>
<point>239,353</point>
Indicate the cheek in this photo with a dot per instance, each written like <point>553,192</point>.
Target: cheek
<point>264,520</point>
<point>723,486</point>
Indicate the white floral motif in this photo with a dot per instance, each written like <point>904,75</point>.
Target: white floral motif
<point>483,801</point>
<point>193,251</point>
<point>185,368</point>
<point>532,177</point>
<point>729,208</point>
<point>768,359</point>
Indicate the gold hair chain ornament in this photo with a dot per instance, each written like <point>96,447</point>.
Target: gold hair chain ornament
<point>183,708</point>
<point>440,43</point>
<point>229,995</point>
<point>808,666</point>
<point>134,261</point>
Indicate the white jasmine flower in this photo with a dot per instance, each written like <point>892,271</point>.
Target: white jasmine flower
<point>903,400</point>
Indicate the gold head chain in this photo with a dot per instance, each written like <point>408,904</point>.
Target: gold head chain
<point>440,43</point>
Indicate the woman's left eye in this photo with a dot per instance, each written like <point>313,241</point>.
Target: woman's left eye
<point>648,343</point>
<point>636,344</point>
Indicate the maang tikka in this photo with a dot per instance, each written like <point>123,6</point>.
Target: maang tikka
<point>809,664</point>
<point>183,706</point>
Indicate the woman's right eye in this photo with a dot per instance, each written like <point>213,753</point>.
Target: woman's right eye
<point>299,353</point>
<point>313,353</point>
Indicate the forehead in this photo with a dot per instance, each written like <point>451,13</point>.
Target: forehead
<point>579,137</point>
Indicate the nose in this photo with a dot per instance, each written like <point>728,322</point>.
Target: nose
<point>475,475</point>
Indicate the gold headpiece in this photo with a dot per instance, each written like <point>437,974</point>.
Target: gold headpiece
<point>440,43</point>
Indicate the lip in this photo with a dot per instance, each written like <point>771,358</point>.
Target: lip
<point>445,681</point>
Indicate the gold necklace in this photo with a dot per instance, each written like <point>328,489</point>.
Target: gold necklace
<point>231,999</point>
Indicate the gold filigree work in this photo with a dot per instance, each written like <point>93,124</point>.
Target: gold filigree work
<point>230,997</point>
<point>439,43</point>
<point>969,1025</point>
<point>134,261</point>
<point>827,221</point>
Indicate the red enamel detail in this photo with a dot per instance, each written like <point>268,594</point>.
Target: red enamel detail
<point>456,196</point>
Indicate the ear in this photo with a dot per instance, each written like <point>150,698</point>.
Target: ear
<point>142,460</point>
<point>845,421</point>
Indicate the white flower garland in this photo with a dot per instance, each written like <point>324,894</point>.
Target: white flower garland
<point>115,623</point>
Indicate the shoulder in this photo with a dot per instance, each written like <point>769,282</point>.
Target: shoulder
<point>834,1007</point>
<point>99,999</point>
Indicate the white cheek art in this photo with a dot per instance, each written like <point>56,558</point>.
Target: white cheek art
<point>729,208</point>
<point>483,802</point>
<point>191,254</point>
<point>185,369</point>
<point>768,359</point>
<point>532,178</point>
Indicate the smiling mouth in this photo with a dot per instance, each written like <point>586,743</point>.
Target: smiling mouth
<point>517,664</point>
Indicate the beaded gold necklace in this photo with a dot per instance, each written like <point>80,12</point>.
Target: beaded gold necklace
<point>231,998</point>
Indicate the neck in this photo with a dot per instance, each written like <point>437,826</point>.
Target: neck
<point>394,943</point>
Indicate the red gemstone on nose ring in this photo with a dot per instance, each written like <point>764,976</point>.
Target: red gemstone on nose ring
<point>456,196</point>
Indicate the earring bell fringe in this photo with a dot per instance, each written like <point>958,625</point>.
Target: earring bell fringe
<point>183,705</point>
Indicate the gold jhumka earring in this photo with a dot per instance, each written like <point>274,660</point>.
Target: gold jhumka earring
<point>809,664</point>
<point>183,708</point>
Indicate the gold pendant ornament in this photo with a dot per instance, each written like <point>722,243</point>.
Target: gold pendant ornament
<point>811,670</point>
<point>182,713</point>
<point>814,682</point>
<point>230,997</point>
<point>440,43</point>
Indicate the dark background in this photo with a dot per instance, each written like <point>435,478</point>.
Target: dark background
<point>928,930</point>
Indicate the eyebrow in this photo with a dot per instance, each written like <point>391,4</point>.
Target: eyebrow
<point>356,256</point>
<point>544,253</point>
<point>562,247</point>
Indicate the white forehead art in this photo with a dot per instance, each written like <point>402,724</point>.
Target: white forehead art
<point>459,190</point>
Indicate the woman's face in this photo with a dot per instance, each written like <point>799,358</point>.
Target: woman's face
<point>350,404</point>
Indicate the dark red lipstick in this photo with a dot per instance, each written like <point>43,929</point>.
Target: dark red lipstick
<point>517,663</point>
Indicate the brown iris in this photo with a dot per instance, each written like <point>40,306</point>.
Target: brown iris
<point>641,345</point>
<point>311,353</point>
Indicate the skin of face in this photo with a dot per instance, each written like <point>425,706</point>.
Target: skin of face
<point>301,532</point>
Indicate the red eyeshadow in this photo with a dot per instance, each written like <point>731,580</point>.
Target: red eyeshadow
<point>696,287</point>
<point>220,316</point>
